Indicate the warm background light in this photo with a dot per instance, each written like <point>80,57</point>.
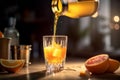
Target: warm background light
<point>116,18</point>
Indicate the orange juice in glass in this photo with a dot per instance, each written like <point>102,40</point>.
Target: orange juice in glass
<point>54,52</point>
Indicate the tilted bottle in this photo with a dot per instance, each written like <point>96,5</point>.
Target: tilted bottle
<point>12,32</point>
<point>74,8</point>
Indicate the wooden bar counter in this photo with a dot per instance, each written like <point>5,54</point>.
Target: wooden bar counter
<point>36,71</point>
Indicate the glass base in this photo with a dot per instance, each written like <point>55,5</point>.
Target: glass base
<point>52,68</point>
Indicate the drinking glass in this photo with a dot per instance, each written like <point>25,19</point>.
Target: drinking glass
<point>5,48</point>
<point>55,48</point>
<point>21,52</point>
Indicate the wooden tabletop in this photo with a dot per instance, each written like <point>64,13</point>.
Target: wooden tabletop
<point>36,71</point>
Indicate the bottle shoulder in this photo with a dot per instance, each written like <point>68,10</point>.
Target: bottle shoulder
<point>11,31</point>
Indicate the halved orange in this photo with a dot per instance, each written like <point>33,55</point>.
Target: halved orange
<point>113,65</point>
<point>97,64</point>
<point>11,65</point>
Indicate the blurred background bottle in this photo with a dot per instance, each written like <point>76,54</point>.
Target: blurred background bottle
<point>12,32</point>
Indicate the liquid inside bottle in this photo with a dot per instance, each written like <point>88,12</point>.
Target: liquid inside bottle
<point>74,8</point>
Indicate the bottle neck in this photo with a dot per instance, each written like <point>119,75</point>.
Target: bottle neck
<point>65,5</point>
<point>12,22</point>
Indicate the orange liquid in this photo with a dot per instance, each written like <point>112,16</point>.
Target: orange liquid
<point>55,53</point>
<point>76,9</point>
<point>81,9</point>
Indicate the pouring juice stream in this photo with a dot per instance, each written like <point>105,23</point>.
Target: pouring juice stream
<point>72,9</point>
<point>55,53</point>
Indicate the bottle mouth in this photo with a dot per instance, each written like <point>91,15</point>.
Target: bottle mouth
<point>59,6</point>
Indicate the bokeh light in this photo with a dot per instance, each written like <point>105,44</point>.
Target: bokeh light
<point>116,18</point>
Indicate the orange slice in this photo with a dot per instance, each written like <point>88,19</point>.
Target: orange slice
<point>97,64</point>
<point>84,72</point>
<point>11,65</point>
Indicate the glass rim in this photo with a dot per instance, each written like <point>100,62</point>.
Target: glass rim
<point>55,36</point>
<point>23,45</point>
<point>6,38</point>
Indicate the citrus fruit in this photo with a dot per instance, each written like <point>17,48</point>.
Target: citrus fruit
<point>113,65</point>
<point>97,64</point>
<point>1,35</point>
<point>84,72</point>
<point>11,65</point>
